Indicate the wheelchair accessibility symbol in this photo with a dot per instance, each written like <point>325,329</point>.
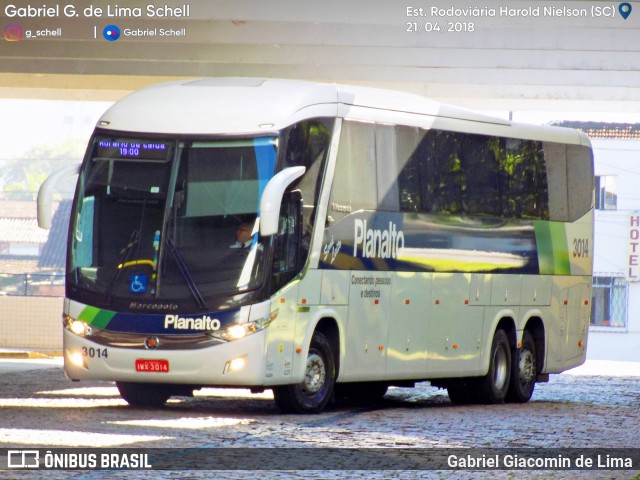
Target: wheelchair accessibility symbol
<point>138,283</point>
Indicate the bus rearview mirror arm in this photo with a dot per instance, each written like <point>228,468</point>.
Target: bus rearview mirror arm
<point>272,198</point>
<point>45,193</point>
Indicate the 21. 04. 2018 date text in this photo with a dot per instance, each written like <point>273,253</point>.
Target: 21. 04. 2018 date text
<point>435,27</point>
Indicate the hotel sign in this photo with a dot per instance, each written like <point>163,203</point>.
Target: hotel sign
<point>633,253</point>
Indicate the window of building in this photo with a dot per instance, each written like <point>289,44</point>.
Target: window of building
<point>609,302</point>
<point>606,192</point>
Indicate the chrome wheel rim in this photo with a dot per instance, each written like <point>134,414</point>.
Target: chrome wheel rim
<point>526,367</point>
<point>314,375</point>
<point>501,368</point>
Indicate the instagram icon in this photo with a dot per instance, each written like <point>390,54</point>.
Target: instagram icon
<point>13,33</point>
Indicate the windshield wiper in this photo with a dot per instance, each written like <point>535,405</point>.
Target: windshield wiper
<point>125,254</point>
<point>184,270</point>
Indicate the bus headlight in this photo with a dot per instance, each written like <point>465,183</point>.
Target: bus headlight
<point>241,330</point>
<point>78,327</point>
<point>236,331</point>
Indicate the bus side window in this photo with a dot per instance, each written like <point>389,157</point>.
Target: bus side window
<point>288,241</point>
<point>387,168</point>
<point>407,142</point>
<point>580,180</point>
<point>307,145</point>
<point>354,183</point>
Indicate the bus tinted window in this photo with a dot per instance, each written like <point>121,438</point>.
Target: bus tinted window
<point>580,180</point>
<point>459,173</point>
<point>386,170</point>
<point>408,140</point>
<point>570,177</point>
<point>307,146</point>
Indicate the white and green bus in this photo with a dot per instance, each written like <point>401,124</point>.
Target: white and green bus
<point>388,240</point>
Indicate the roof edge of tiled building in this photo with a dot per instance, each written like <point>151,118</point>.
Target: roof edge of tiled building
<point>605,130</point>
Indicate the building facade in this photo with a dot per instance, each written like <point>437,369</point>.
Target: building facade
<point>615,321</point>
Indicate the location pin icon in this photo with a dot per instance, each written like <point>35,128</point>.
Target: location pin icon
<point>625,10</point>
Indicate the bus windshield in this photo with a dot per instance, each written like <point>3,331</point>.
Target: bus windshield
<point>169,220</point>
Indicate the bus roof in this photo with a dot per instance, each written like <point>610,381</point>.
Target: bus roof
<point>237,106</point>
<point>251,105</point>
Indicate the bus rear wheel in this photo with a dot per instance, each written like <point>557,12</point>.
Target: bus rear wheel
<point>144,394</point>
<point>315,391</point>
<point>493,387</point>
<point>523,371</point>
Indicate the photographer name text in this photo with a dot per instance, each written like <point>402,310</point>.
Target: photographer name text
<point>92,11</point>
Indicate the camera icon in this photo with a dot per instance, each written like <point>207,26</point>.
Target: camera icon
<point>13,33</point>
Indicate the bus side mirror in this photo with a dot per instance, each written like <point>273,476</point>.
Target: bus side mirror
<point>45,193</point>
<point>272,199</point>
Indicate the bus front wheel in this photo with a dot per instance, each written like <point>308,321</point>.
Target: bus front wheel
<point>144,394</point>
<point>315,391</point>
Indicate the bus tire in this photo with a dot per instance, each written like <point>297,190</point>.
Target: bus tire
<point>315,391</point>
<point>144,394</point>
<point>523,371</point>
<point>493,387</point>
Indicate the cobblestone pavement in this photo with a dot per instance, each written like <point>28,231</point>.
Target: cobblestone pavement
<point>41,408</point>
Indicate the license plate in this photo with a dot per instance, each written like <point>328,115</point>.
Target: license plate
<point>153,366</point>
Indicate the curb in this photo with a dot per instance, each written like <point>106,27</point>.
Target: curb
<point>17,355</point>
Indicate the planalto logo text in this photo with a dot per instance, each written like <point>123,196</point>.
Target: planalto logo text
<point>377,243</point>
<point>177,322</point>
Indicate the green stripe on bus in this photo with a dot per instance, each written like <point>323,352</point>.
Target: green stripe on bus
<point>553,252</point>
<point>96,316</point>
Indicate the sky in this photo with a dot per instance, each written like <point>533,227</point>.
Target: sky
<point>26,124</point>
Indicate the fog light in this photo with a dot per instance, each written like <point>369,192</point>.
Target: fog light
<point>77,359</point>
<point>235,365</point>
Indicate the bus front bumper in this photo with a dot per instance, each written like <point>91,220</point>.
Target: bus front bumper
<point>235,363</point>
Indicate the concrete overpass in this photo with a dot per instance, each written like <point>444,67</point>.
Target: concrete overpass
<point>557,59</point>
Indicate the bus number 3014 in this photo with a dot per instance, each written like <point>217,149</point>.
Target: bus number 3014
<point>94,352</point>
<point>580,247</point>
